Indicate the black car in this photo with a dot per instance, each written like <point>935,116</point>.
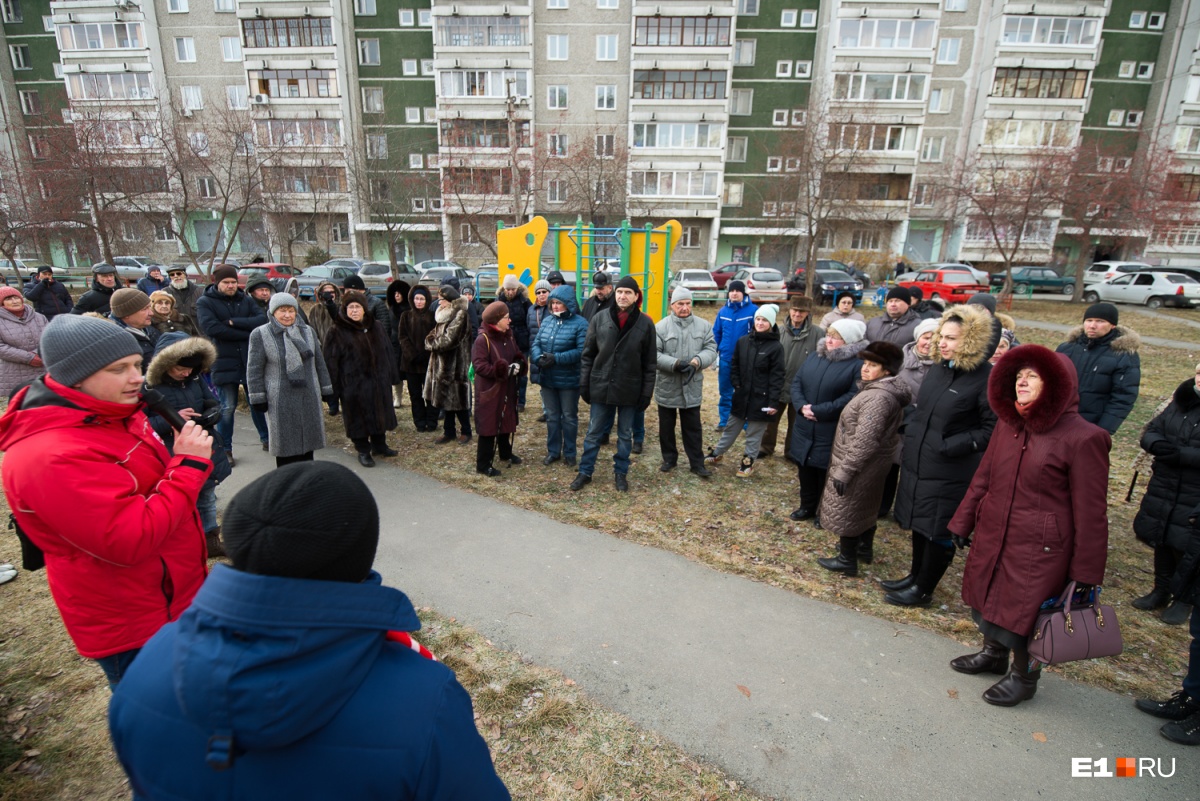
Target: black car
<point>832,284</point>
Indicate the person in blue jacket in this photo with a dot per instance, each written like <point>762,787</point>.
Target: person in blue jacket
<point>734,321</point>
<point>557,350</point>
<point>292,675</point>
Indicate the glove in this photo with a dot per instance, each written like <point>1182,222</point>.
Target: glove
<point>545,360</point>
<point>681,366</point>
<point>1167,451</point>
<point>688,372</point>
<point>37,362</point>
<point>839,487</point>
<point>261,408</point>
<point>644,403</point>
<point>514,368</point>
<point>961,543</point>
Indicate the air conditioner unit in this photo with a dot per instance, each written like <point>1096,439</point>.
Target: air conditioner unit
<point>261,99</point>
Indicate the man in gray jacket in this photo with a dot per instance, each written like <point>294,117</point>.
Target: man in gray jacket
<point>799,337</point>
<point>897,322</point>
<point>686,347</point>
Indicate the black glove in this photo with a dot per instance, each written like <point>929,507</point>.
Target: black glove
<point>1167,451</point>
<point>545,360</point>
<point>261,408</point>
<point>839,487</point>
<point>961,543</point>
<point>688,372</point>
<point>681,366</point>
<point>644,403</point>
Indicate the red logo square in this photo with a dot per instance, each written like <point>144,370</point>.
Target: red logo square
<point>1126,767</point>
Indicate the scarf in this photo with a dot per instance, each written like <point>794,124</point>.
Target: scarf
<point>1023,409</point>
<point>295,351</point>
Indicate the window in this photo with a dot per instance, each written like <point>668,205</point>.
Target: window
<point>416,161</point>
<point>556,145</point>
<point>412,115</point>
<point>1029,133</point>
<point>787,18</point>
<point>129,231</point>
<point>743,52</point>
<point>418,204</point>
<point>238,97</point>
<point>408,66</point>
<point>231,48</point>
<point>198,142</point>
<point>288,32</point>
<point>381,190</point>
<point>948,51</point>
<point>1137,19</point>
<point>779,116</point>
<point>556,191</point>
<point>177,6</point>
<point>932,147</point>
<point>372,99</point>
<point>1145,70</point>
<point>1024,82</point>
<point>368,52</point>
<point>657,84</point>
<point>244,144</point>
<point>20,57</point>
<point>606,47</point>
<point>606,146</point>
<point>677,183</point>
<point>747,8</point>
<point>677,135</point>
<point>294,83</point>
<point>207,187</point>
<point>425,18</point>
<point>878,137</point>
<point>193,98</point>
<point>1053,31</point>
<point>467,233</point>
<point>607,4</point>
<point>770,208</point>
<point>407,19</point>
<point>884,34</point>
<point>224,6</point>
<point>732,194</point>
<point>339,232</point>
<point>808,18</point>
<point>1127,69</point>
<point>302,230</point>
<point>1155,21</point>
<point>741,102</point>
<point>48,24</point>
<point>429,113</point>
<point>1133,119</point>
<point>939,100</point>
<point>606,97</point>
<point>162,231</point>
<point>556,97</point>
<point>799,116</point>
<point>878,86</point>
<point>690,237</point>
<point>956,5</point>
<point>923,195</point>
<point>377,146</point>
<point>185,49</point>
<point>364,8</point>
<point>864,239</point>
<point>774,163</point>
<point>31,102</point>
<point>735,149</point>
<point>435,204</point>
<point>427,66</point>
<point>556,3</point>
<point>557,47</point>
<point>1116,117</point>
<point>803,69</point>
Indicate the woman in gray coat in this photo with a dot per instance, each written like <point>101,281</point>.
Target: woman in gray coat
<point>20,332</point>
<point>286,378</point>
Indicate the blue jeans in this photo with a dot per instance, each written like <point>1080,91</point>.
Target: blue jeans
<point>522,388</point>
<point>562,420</point>
<point>725,385</point>
<point>115,665</point>
<point>639,427</point>
<point>1191,682</point>
<point>602,419</point>
<point>206,505</point>
<point>229,400</point>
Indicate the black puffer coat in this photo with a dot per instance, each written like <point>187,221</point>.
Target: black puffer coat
<point>518,313</point>
<point>947,435</point>
<point>396,309</point>
<point>362,370</point>
<point>228,321</point>
<point>1174,488</point>
<point>619,364</point>
<point>1109,371</point>
<point>96,299</point>
<point>827,381</point>
<point>49,298</point>
<point>757,374</point>
<point>1186,584</point>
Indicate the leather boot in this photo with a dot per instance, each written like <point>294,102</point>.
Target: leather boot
<point>1177,613</point>
<point>918,554</point>
<point>935,559</point>
<point>212,541</point>
<point>1164,568</point>
<point>846,561</point>
<point>992,659</point>
<point>866,546</point>
<point>1019,684</point>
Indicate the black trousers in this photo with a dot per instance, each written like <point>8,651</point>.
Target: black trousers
<point>890,483</point>
<point>690,428</point>
<point>486,449</point>
<point>424,415</point>
<point>812,484</point>
<point>280,461</point>
<point>464,422</point>
<point>375,442</point>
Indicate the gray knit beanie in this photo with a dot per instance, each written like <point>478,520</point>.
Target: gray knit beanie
<point>73,346</point>
<point>281,299</point>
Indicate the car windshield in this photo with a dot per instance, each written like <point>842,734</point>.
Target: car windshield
<point>696,275</point>
<point>957,278</point>
<point>833,275</point>
<point>1182,279</point>
<point>767,275</point>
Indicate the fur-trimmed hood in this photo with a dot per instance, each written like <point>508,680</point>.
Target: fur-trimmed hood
<point>845,352</point>
<point>171,349</point>
<point>1121,338</point>
<point>444,314</point>
<point>355,296</point>
<point>397,286</point>
<point>981,335</point>
<point>1060,387</point>
<point>1006,321</point>
<point>418,289</point>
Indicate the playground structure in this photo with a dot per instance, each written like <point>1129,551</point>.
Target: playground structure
<point>643,253</point>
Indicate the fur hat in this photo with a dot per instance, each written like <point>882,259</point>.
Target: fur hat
<point>801,303</point>
<point>984,299</point>
<point>128,301</point>
<point>736,286</point>
<point>899,293</point>
<point>767,312</point>
<point>681,293</point>
<point>75,346</point>
<point>1102,311</point>
<point>159,294</point>
<point>884,353</point>
<point>496,311</point>
<point>223,272</point>
<point>850,331</point>
<point>510,282</point>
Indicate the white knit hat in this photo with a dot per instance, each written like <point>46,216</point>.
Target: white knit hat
<point>850,330</point>
<point>925,326</point>
<point>768,312</point>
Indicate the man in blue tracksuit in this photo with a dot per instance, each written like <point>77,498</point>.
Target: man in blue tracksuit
<point>734,321</point>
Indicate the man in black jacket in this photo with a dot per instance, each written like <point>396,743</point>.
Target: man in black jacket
<point>49,297</point>
<point>602,295</point>
<point>620,357</point>
<point>97,299</point>
<point>1106,360</point>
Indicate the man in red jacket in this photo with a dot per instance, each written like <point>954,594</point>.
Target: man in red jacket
<point>96,494</point>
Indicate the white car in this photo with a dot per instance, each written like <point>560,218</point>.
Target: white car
<point>763,284</point>
<point>1104,270</point>
<point>1154,289</point>
<point>700,282</point>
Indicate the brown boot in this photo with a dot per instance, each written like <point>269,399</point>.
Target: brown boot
<point>992,659</point>
<point>1020,684</point>
<point>212,539</point>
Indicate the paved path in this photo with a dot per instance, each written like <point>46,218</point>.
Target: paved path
<point>841,705</point>
<point>1164,343</point>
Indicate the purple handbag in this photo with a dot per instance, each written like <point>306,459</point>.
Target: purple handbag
<point>1068,631</point>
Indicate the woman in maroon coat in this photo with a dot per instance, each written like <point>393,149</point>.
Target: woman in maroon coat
<point>1038,507</point>
<point>498,362</point>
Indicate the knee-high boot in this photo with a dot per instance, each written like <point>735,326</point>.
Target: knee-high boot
<point>1164,569</point>
<point>919,543</point>
<point>866,546</point>
<point>1019,684</point>
<point>846,561</point>
<point>992,659</point>
<point>935,561</point>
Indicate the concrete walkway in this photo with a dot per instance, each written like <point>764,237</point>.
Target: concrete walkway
<point>840,706</point>
<point>1164,343</point>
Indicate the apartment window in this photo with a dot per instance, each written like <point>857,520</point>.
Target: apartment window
<point>774,163</point>
<point>425,18</point>
<point>407,19</point>
<point>339,232</point>
<point>231,48</point>
<point>747,8</point>
<point>803,69</point>
<point>1127,69</point>
<point>418,205</point>
<point>679,84</point>
<point>932,148</point>
<point>1025,82</point>
<point>608,4</point>
<point>743,52</point>
<point>364,8</point>
<point>735,149</point>
<point>1053,31</point>
<point>302,230</point>
<point>674,183</point>
<point>372,99</point>
<point>238,97</point>
<point>783,69</point>
<point>244,144</point>
<point>677,135</point>
<point>381,190</point>
<point>955,5</point>
<point>162,231</point>
<point>878,86</point>
<point>193,98</point>
<point>556,97</point>
<point>556,145</point>
<point>606,97</point>
<point>556,4</point>
<point>467,234</point>
<point>412,115</point>
<point>31,102</point>
<point>557,47</point>
<point>1155,21</point>
<point>732,193</point>
<point>1137,19</point>
<point>377,146</point>
<point>48,24</point>
<point>948,51</point>
<point>20,57</point>
<point>129,231</point>
<point>885,34</point>
<point>606,146</point>
<point>416,161</point>
<point>1145,70</point>
<point>606,47</point>
<point>198,141</point>
<point>779,116</point>
<point>799,116</point>
<point>427,66</point>
<point>39,147</point>
<point>368,52</point>
<point>1116,117</point>
<point>435,204</point>
<point>852,136</point>
<point>864,239</point>
<point>1133,119</point>
<point>429,113</point>
<point>185,49</point>
<point>1029,133</point>
<point>288,32</point>
<point>682,31</point>
<point>787,18</point>
<point>556,191</point>
<point>741,102</point>
<point>939,100</point>
<point>177,6</point>
<point>207,186</point>
<point>1122,164</point>
<point>923,195</point>
<point>408,66</point>
<point>808,18</point>
<point>224,6</point>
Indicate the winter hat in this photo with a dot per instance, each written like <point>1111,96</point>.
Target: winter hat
<point>800,303</point>
<point>601,279</point>
<point>495,312</point>
<point>1008,335</point>
<point>899,293</point>
<point>103,269</point>
<point>73,347</point>
<point>159,294</point>
<point>420,290</point>
<point>555,278</point>
<point>354,282</point>
<point>984,299</point>
<point>849,330</point>
<point>259,280</point>
<point>736,286</point>
<point>223,272</point>
<point>469,289</point>
<point>925,326</point>
<point>540,285</point>
<point>628,282</point>
<point>884,353</point>
<point>9,292</point>
<point>311,520</point>
<point>767,312</point>
<point>452,280</point>
<point>510,282</point>
<point>916,294</point>
<point>1102,311</point>
<point>281,299</point>
<point>448,292</point>
<point>128,301</point>
<point>680,293</point>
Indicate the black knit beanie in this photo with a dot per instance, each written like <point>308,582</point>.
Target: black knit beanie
<point>1102,311</point>
<point>311,520</point>
<point>899,293</point>
<point>629,282</point>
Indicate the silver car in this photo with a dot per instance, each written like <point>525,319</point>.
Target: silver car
<point>1151,288</point>
<point>700,282</point>
<point>763,284</point>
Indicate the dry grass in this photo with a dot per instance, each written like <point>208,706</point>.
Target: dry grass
<point>1131,316</point>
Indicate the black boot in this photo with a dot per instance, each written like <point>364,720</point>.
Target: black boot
<point>1164,568</point>
<point>1177,613</point>
<point>992,659</point>
<point>1157,598</point>
<point>1019,684</point>
<point>846,562</point>
<point>918,554</point>
<point>212,541</point>
<point>866,546</point>
<point>934,562</point>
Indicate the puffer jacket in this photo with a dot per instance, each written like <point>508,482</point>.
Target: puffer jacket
<point>533,320</point>
<point>563,337</point>
<point>827,380</point>
<point>518,315</point>
<point>1186,584</point>
<point>1110,374</point>
<point>734,321</point>
<point>96,299</point>
<point>127,553</point>
<point>1174,487</point>
<point>49,298</point>
<point>899,332</point>
<point>757,375</point>
<point>619,363</point>
<point>228,321</point>
<point>20,343</point>
<point>946,436</point>
<point>682,340</point>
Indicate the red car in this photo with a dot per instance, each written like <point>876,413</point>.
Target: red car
<point>953,286</point>
<point>723,273</point>
<point>267,269</point>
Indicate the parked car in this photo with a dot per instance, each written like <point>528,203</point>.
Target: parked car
<point>433,276</point>
<point>763,284</point>
<point>833,264</point>
<point>1040,279</point>
<point>29,267</point>
<point>132,269</point>
<point>723,273</point>
<point>832,284</point>
<point>378,274</point>
<point>356,263</point>
<point>1194,272</point>
<point>266,269</point>
<point>981,276</point>
<point>1154,289</point>
<point>430,264</point>
<point>1103,270</point>
<point>953,285</point>
<point>700,282</point>
<point>308,280</point>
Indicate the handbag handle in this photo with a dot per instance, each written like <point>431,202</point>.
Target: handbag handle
<point>1064,601</point>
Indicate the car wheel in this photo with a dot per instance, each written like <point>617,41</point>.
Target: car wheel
<point>1091,297</point>
<point>1154,303</point>
<point>1021,289</point>
<point>1068,289</point>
